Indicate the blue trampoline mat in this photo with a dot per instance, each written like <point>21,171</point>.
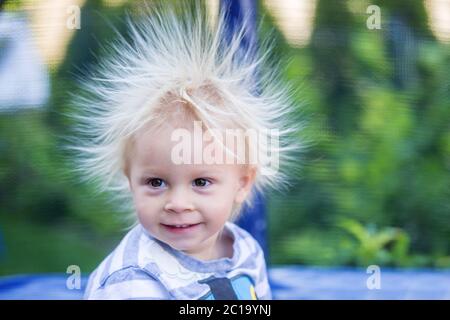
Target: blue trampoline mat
<point>292,282</point>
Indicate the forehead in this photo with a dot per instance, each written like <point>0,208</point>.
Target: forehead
<point>154,149</point>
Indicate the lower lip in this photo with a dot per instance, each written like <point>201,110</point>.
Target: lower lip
<point>180,230</point>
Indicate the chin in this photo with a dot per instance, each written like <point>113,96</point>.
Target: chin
<point>180,246</point>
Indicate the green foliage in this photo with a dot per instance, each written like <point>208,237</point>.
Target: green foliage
<point>378,117</point>
<point>388,246</point>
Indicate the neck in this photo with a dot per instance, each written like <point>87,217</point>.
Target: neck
<point>221,246</point>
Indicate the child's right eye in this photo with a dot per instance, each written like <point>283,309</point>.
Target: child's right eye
<point>155,182</point>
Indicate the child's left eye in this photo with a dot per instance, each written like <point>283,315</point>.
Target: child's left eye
<point>201,182</point>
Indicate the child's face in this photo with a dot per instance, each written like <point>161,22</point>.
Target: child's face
<point>167,195</point>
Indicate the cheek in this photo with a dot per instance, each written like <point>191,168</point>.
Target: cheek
<point>146,207</point>
<point>142,214</point>
<point>147,214</point>
<point>139,203</point>
<point>218,207</point>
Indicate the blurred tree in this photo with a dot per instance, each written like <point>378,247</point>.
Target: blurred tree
<point>378,101</point>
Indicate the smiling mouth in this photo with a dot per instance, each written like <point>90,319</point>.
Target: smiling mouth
<point>180,227</point>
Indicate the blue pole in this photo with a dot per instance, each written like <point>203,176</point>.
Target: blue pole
<point>253,219</point>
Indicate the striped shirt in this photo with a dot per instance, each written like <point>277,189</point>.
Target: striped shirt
<point>142,267</point>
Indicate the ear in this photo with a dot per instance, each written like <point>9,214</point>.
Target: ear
<point>126,173</point>
<point>130,186</point>
<point>246,180</point>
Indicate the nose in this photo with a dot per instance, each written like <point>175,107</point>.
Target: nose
<point>178,201</point>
